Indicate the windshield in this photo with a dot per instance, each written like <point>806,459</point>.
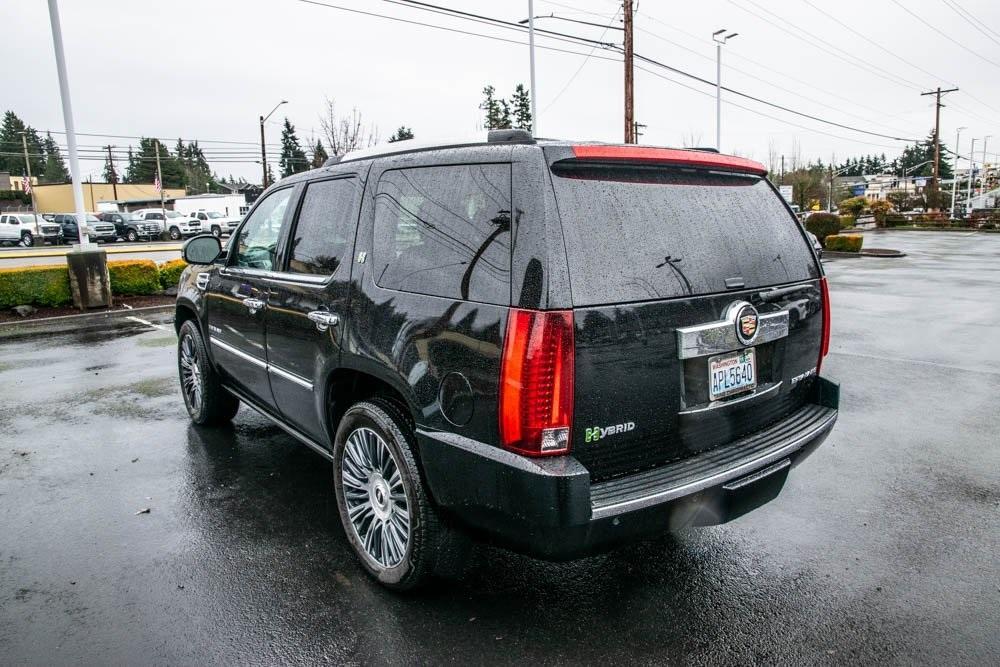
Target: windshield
<point>92,218</point>
<point>174,214</point>
<point>213,215</point>
<point>26,219</point>
<point>640,233</point>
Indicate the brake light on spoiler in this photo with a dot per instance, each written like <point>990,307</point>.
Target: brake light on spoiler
<point>673,156</point>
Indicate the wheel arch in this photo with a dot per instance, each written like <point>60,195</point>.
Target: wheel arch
<point>346,386</point>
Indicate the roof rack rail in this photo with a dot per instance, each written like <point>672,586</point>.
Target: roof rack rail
<point>413,146</point>
<point>330,161</point>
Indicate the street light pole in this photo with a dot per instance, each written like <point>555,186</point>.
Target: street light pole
<point>263,151</point>
<point>67,109</point>
<point>983,191</point>
<point>531,50</point>
<point>720,38</point>
<point>954,175</point>
<point>968,188</point>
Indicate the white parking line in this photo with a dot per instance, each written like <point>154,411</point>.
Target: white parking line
<point>146,322</point>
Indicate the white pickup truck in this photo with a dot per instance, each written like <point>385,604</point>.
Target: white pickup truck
<point>215,222</point>
<point>176,225</point>
<point>26,228</point>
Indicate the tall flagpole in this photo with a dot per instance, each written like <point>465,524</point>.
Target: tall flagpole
<point>67,109</point>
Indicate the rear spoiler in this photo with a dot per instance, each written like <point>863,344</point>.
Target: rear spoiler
<point>672,156</point>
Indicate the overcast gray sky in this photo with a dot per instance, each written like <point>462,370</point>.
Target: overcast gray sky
<point>206,69</point>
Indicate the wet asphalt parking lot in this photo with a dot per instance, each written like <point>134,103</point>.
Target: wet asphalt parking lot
<point>883,547</point>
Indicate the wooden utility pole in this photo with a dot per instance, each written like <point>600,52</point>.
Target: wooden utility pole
<point>636,133</point>
<point>937,130</point>
<point>263,155</point>
<point>114,175</point>
<point>629,84</point>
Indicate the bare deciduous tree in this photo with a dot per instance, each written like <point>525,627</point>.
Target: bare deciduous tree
<point>346,133</point>
<point>691,139</point>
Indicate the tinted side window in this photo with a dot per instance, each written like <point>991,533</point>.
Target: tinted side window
<point>257,242</point>
<point>325,227</point>
<point>445,231</point>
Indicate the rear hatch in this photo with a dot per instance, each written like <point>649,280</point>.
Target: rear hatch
<point>663,260</point>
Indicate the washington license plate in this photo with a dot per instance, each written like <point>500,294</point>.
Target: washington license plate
<point>732,373</point>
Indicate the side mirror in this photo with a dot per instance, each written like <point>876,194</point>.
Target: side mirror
<point>202,250</point>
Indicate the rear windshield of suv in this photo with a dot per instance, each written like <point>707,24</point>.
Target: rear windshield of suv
<point>637,233</point>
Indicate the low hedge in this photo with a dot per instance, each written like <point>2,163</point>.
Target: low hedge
<point>49,285</point>
<point>844,242</point>
<point>170,272</point>
<point>847,222</point>
<point>134,277</point>
<point>823,225</point>
<point>34,285</point>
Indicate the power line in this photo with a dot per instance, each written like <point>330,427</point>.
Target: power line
<point>943,34</point>
<point>771,104</point>
<point>798,32</point>
<point>440,27</point>
<point>766,81</point>
<point>975,24</point>
<point>765,115</point>
<point>580,68</point>
<point>480,17</point>
<point>973,17</point>
<point>735,54</point>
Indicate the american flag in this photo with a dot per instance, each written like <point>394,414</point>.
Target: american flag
<point>26,185</point>
<point>156,182</point>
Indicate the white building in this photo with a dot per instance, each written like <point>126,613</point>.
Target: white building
<point>233,205</point>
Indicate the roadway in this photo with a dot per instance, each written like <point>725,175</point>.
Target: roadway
<point>158,251</point>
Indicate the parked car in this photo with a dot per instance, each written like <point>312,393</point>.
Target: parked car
<point>132,226</point>
<point>216,223</point>
<point>627,366</point>
<point>26,228</point>
<point>96,230</point>
<point>176,225</point>
<point>817,246</point>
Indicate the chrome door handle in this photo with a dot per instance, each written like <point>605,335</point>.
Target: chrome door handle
<point>201,281</point>
<point>324,319</point>
<point>253,305</point>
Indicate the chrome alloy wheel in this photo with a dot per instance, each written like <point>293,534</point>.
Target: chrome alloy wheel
<point>375,497</point>
<point>191,382</point>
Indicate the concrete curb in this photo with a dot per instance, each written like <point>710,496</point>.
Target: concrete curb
<point>156,315</point>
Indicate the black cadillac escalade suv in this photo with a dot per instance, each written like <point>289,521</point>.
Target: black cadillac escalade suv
<point>556,346</point>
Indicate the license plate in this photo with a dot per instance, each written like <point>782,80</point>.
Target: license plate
<point>732,373</point>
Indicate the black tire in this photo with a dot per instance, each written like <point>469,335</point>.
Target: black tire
<point>131,236</point>
<point>175,233</point>
<point>214,406</point>
<point>27,240</point>
<point>426,534</point>
<point>216,231</point>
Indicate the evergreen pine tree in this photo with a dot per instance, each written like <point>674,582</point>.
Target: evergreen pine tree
<point>521,102</point>
<point>293,158</point>
<point>319,155</point>
<point>491,107</point>
<point>402,133</point>
<point>55,168</point>
<point>12,151</point>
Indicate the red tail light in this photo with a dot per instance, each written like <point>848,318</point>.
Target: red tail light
<point>536,382</point>
<point>825,343</point>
